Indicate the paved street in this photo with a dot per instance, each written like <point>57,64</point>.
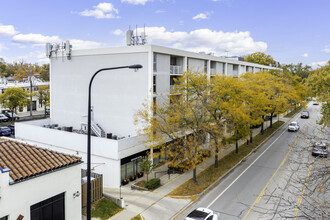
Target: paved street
<point>254,190</point>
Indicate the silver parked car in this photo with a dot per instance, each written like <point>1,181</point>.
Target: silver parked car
<point>320,149</point>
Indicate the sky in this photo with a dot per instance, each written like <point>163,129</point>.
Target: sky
<point>291,31</point>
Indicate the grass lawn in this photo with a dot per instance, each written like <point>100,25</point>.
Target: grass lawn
<point>293,112</point>
<point>104,209</point>
<point>211,174</point>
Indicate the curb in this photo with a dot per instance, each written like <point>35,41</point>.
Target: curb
<point>225,174</point>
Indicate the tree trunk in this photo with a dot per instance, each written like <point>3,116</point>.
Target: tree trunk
<point>251,134</point>
<point>236,146</point>
<point>194,175</point>
<point>12,114</point>
<point>262,125</point>
<point>216,162</point>
<point>271,120</point>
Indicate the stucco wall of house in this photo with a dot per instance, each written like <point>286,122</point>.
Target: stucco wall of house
<point>17,199</point>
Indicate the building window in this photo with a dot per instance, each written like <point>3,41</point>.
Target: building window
<point>173,61</point>
<point>50,209</point>
<point>205,66</point>
<point>4,218</point>
<point>154,84</point>
<point>174,80</point>
<point>155,62</point>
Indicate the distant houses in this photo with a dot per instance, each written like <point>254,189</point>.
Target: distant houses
<point>10,82</point>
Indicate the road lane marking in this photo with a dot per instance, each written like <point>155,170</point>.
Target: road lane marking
<point>264,189</point>
<point>244,171</point>
<point>296,210</point>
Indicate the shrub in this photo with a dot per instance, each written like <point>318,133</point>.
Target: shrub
<point>153,183</point>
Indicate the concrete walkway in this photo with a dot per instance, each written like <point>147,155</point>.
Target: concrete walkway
<point>156,205</point>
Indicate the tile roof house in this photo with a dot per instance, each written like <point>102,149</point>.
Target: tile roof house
<point>31,177</point>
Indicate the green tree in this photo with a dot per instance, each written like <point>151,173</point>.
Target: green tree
<point>146,166</point>
<point>297,70</point>
<point>260,58</point>
<point>13,98</point>
<point>318,84</point>
<point>44,96</point>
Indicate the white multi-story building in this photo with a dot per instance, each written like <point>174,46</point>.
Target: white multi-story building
<point>116,96</point>
<point>27,86</point>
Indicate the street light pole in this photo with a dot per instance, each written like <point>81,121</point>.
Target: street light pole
<point>31,91</point>
<point>136,66</point>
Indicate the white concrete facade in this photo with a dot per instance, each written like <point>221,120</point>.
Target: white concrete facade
<point>16,199</point>
<point>116,97</point>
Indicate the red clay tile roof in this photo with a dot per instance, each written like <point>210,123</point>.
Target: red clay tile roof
<point>27,161</point>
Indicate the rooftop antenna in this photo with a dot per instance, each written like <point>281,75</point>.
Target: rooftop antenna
<point>64,47</point>
<point>132,40</point>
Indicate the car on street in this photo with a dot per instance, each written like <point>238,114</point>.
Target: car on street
<point>315,103</point>
<point>3,118</point>
<point>10,115</point>
<point>304,114</point>
<point>320,149</point>
<point>5,131</point>
<point>293,126</point>
<point>203,214</point>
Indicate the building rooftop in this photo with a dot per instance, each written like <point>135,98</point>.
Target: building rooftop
<point>26,161</point>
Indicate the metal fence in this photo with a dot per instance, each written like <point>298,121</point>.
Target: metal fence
<point>96,187</point>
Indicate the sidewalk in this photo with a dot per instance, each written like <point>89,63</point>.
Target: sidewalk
<point>156,205</point>
<point>26,114</point>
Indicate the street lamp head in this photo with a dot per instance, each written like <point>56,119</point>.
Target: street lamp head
<point>135,66</point>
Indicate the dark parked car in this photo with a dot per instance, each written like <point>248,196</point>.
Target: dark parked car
<point>12,129</point>
<point>304,114</point>
<point>315,103</point>
<point>320,149</point>
<point>5,131</point>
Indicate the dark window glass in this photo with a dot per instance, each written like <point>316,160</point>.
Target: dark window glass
<point>4,218</point>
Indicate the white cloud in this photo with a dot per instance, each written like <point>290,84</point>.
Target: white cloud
<point>202,16</point>
<point>82,44</point>
<point>327,49</point>
<point>237,43</point>
<point>118,32</point>
<point>136,2</point>
<point>7,30</point>
<point>318,64</point>
<point>304,55</point>
<point>41,40</point>
<point>102,10</point>
<point>35,39</point>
